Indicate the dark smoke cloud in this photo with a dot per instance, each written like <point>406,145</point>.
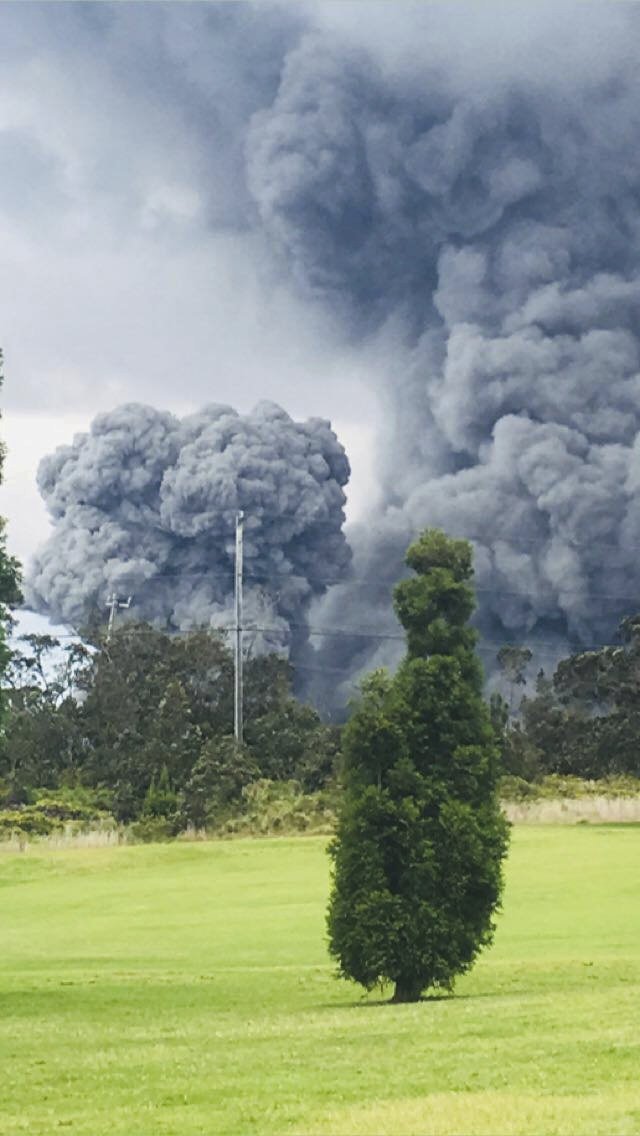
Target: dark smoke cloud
<point>459,188</point>
<point>496,230</point>
<point>146,504</point>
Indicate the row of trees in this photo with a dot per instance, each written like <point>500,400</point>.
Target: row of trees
<point>10,580</point>
<point>584,720</point>
<point>147,709</point>
<point>148,718</point>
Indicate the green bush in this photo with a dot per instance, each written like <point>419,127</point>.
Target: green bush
<point>280,808</point>
<point>556,786</point>
<point>73,802</point>
<point>71,808</point>
<point>516,789</point>
<point>27,821</point>
<point>152,830</point>
<point>160,800</point>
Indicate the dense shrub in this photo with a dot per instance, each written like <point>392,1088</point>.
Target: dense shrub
<point>69,809</point>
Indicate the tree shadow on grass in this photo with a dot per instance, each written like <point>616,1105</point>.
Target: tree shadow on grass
<point>366,1004</point>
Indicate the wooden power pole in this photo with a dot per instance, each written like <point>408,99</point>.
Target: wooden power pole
<point>237,706</point>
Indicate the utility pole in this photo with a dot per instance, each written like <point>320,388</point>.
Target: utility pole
<point>113,603</point>
<point>237,705</point>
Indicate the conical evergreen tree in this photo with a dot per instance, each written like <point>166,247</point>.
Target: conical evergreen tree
<point>420,841</point>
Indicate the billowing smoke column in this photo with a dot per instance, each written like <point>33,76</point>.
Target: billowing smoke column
<point>485,235</point>
<point>460,187</point>
<point>145,504</point>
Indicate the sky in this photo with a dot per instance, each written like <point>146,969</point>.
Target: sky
<point>419,221</point>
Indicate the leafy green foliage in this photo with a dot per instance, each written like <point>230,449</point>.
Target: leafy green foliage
<point>280,808</point>
<point>46,812</point>
<point>555,787</point>
<point>216,782</point>
<point>42,745</point>
<point>10,578</point>
<point>420,838</point>
<point>585,720</point>
<point>291,743</point>
<point>148,717</point>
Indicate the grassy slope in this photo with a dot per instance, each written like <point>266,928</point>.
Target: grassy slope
<point>185,989</point>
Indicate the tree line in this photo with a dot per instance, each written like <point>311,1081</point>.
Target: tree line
<point>582,720</point>
<point>146,719</point>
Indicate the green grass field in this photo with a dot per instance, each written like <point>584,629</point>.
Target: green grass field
<point>186,989</point>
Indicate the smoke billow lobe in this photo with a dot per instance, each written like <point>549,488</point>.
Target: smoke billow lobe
<point>146,504</point>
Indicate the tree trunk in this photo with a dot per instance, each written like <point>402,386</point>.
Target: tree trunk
<point>407,991</point>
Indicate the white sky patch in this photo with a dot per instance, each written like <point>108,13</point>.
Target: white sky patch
<point>30,623</point>
<point>358,439</point>
<point>28,437</point>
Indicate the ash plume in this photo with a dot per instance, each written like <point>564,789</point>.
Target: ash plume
<point>145,504</point>
<point>488,228</point>
<point>458,187</point>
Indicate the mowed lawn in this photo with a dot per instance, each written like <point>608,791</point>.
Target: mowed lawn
<point>186,989</point>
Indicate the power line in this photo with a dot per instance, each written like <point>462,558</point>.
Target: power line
<point>348,633</point>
